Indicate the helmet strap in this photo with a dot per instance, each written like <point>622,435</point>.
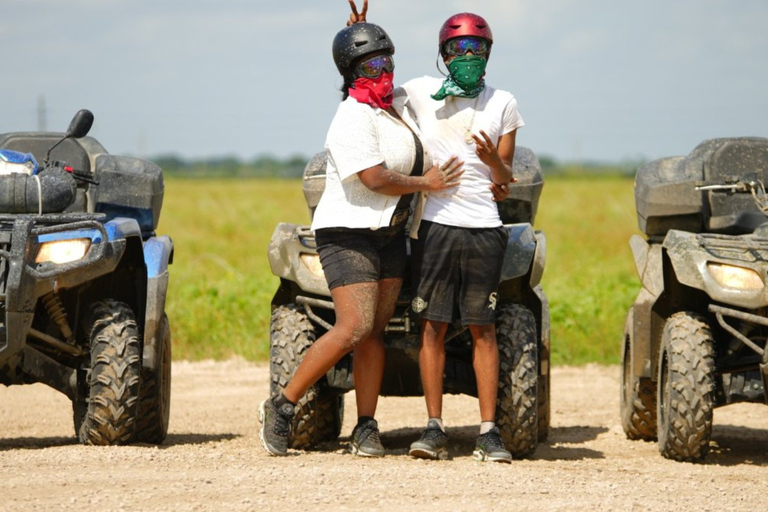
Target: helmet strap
<point>439,59</point>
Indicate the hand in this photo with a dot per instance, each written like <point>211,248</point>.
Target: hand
<point>444,176</point>
<point>355,17</point>
<point>487,151</point>
<point>500,192</point>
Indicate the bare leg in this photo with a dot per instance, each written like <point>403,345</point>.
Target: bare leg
<point>355,306</point>
<point>369,354</point>
<point>432,365</point>
<point>485,360</point>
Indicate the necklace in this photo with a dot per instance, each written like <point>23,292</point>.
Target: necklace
<point>468,129</point>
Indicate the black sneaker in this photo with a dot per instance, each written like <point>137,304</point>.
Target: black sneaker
<point>433,443</point>
<point>365,440</point>
<point>275,426</point>
<point>490,447</point>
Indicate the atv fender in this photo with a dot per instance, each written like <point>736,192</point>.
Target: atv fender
<point>526,252</point>
<point>158,254</point>
<point>288,243</point>
<point>639,324</point>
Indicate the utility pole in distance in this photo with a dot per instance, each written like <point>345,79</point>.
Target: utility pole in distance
<point>41,114</point>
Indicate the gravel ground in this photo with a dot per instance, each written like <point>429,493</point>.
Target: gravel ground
<point>212,459</point>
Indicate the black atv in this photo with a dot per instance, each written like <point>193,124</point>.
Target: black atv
<point>83,281</point>
<point>695,338</point>
<point>302,311</point>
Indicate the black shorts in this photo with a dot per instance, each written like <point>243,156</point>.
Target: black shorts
<point>363,255</point>
<point>458,272</point>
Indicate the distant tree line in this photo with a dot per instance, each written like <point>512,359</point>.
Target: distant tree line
<point>293,167</point>
<point>232,167</point>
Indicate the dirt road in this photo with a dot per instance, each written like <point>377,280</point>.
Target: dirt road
<point>212,459</point>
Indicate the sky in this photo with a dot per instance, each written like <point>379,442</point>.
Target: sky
<point>595,80</point>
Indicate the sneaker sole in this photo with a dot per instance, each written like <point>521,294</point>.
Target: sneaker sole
<point>267,447</point>
<point>481,456</point>
<point>422,453</point>
<point>361,453</point>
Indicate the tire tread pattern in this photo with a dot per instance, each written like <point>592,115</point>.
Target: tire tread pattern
<point>154,394</point>
<point>516,406</point>
<point>319,412</point>
<point>110,415</point>
<point>685,416</point>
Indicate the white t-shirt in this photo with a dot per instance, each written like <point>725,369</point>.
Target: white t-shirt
<point>443,125</point>
<point>361,137</point>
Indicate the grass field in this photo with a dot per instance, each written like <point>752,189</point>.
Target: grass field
<point>221,284</point>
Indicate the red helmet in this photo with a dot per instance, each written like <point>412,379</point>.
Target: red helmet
<point>465,24</point>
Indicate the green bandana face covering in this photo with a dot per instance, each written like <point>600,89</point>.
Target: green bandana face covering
<point>466,78</point>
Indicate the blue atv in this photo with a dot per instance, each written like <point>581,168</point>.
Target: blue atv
<point>83,281</point>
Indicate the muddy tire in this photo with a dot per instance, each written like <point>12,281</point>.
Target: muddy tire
<point>107,416</point>
<point>320,411</point>
<point>517,405</point>
<point>638,400</point>
<point>155,392</point>
<point>542,397</point>
<point>685,388</point>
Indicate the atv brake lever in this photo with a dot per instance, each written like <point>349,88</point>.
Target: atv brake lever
<point>734,187</point>
<point>86,179</point>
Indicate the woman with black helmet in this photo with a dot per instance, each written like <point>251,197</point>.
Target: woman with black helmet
<point>461,240</point>
<point>375,164</point>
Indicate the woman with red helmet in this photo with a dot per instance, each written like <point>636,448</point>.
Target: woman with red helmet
<point>460,235</point>
<point>375,164</point>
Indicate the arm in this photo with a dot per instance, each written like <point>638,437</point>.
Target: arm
<point>500,158</point>
<point>384,181</point>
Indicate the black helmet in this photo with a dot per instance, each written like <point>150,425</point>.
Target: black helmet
<point>357,40</point>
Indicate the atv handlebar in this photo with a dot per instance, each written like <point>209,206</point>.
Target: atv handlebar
<point>754,187</point>
<point>87,177</point>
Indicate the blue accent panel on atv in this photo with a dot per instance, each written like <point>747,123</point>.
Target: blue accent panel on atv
<point>17,157</point>
<point>121,228</point>
<point>158,252</point>
<point>142,215</point>
<point>117,229</point>
<point>93,234</point>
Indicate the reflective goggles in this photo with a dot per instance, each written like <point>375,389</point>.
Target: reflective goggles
<point>372,68</point>
<point>461,45</point>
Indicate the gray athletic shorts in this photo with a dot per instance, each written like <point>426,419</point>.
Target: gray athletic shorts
<point>351,256</point>
<point>458,272</point>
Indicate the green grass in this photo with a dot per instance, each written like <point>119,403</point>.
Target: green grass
<point>221,283</point>
<point>589,277</point>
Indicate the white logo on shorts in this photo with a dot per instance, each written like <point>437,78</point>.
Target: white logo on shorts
<point>492,300</point>
<point>418,304</point>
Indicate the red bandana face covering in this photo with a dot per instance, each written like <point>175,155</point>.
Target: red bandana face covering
<point>376,92</point>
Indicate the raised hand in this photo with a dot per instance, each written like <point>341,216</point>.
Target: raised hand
<point>355,17</point>
<point>486,150</point>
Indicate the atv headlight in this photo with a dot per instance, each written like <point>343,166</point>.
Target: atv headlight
<point>62,251</point>
<point>312,262</point>
<point>739,278</point>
